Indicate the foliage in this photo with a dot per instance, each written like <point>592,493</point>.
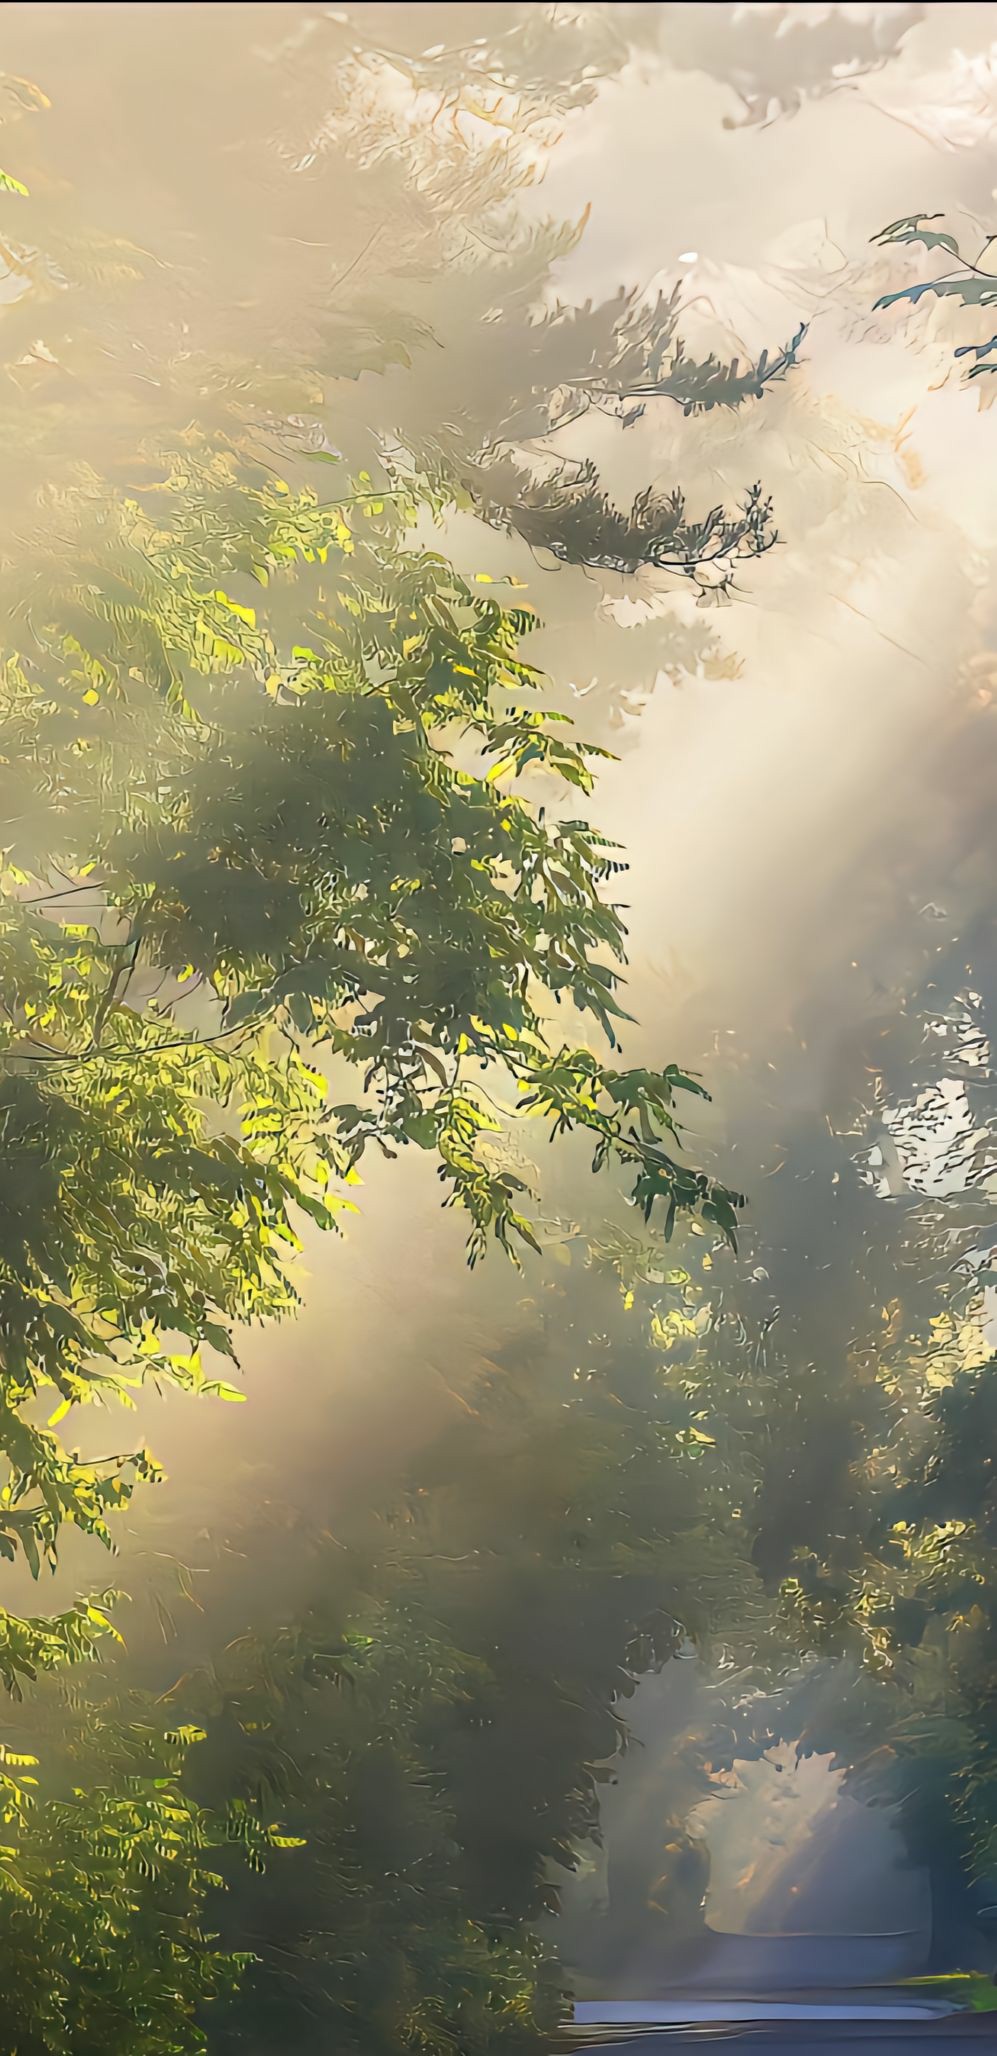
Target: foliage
<point>287,874</point>
<point>533,371</point>
<point>368,1934</point>
<point>573,519</point>
<point>435,274</point>
<point>292,875</point>
<point>103,1888</point>
<point>303,814</point>
<point>441,1732</point>
<point>963,282</point>
<point>873,1516</point>
<point>699,386</point>
<point>976,1993</point>
<point>619,355</point>
<point>779,58</point>
<point>437,281</point>
<point>36,1644</point>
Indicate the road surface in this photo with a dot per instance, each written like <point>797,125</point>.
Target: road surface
<point>957,2036</point>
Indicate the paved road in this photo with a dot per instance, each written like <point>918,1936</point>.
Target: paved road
<point>954,2037</point>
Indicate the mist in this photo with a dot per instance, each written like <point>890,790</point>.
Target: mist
<point>799,780</point>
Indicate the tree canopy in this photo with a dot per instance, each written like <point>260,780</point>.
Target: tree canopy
<point>300,867</point>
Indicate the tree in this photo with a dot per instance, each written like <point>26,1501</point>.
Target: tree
<point>572,518</point>
<point>778,58</point>
<point>963,283</point>
<point>532,371</point>
<point>871,1245</point>
<point>268,770</point>
<point>438,1719</point>
<point>254,826</point>
<point>431,271</point>
<point>266,811</point>
<point>897,1579</point>
<point>132,323</point>
<point>103,1888</point>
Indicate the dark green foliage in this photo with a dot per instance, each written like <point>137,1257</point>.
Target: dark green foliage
<point>533,372</point>
<point>266,839</point>
<point>302,814</point>
<point>296,866</point>
<point>698,386</point>
<point>442,1741</point>
<point>577,523</point>
<point>292,869</point>
<point>104,1879</point>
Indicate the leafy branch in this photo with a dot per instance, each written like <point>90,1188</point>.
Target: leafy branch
<point>965,281</point>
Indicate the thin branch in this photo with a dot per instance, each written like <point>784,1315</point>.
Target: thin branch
<point>55,1059</point>
<point>117,986</point>
<point>42,898</point>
